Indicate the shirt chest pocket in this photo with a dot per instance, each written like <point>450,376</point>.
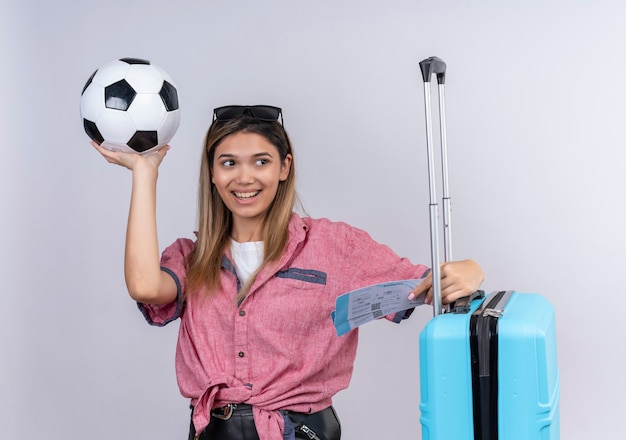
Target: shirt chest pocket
<point>298,303</point>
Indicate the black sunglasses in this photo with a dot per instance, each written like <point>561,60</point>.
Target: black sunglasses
<point>260,112</point>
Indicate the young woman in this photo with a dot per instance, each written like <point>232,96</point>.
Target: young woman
<point>257,353</point>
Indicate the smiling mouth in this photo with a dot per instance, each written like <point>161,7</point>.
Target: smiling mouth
<point>246,195</point>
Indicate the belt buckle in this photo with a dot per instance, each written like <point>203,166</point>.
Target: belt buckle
<point>225,412</point>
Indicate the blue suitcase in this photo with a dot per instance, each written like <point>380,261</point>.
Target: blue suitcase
<point>491,372</point>
<point>488,365</point>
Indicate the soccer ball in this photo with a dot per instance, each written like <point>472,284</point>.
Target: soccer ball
<point>130,105</point>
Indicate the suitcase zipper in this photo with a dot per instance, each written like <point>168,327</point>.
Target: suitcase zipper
<point>484,348</point>
<point>486,330</point>
<point>495,308</point>
<point>483,331</point>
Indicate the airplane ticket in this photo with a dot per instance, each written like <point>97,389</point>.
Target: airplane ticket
<point>361,306</point>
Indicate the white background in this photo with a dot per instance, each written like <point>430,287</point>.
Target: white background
<point>535,104</point>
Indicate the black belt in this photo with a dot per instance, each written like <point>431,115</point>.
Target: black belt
<point>227,411</point>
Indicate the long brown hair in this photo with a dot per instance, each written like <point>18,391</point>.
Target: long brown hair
<point>215,219</point>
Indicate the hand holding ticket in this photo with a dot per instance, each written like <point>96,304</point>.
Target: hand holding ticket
<point>361,306</point>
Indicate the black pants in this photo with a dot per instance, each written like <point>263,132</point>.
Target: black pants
<point>240,426</point>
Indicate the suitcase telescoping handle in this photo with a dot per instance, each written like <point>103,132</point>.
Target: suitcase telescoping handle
<point>429,67</point>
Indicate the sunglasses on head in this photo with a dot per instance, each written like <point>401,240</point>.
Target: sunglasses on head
<point>261,112</point>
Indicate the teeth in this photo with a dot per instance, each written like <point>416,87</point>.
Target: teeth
<point>245,195</point>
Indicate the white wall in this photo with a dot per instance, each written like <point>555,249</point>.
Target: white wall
<point>536,135</point>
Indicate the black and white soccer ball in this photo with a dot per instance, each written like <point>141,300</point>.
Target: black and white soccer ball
<point>130,105</point>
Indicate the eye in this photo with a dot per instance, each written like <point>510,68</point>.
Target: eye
<point>228,163</point>
<point>261,162</point>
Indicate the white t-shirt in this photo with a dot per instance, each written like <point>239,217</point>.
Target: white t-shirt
<point>247,257</point>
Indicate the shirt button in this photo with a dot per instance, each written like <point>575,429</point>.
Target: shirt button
<point>241,354</point>
<point>242,313</point>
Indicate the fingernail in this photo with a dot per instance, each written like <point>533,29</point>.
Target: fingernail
<point>411,296</point>
<point>427,301</point>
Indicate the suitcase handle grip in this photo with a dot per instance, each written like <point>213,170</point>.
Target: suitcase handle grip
<point>462,305</point>
<point>433,65</point>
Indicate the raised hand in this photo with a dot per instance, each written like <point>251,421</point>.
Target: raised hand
<point>133,161</point>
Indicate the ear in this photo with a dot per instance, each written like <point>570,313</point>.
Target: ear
<point>285,167</point>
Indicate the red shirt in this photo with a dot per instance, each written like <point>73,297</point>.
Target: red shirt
<point>279,348</point>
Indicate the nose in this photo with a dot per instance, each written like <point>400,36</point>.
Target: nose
<point>245,176</point>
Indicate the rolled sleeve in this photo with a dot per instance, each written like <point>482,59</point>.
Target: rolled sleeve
<point>174,263</point>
